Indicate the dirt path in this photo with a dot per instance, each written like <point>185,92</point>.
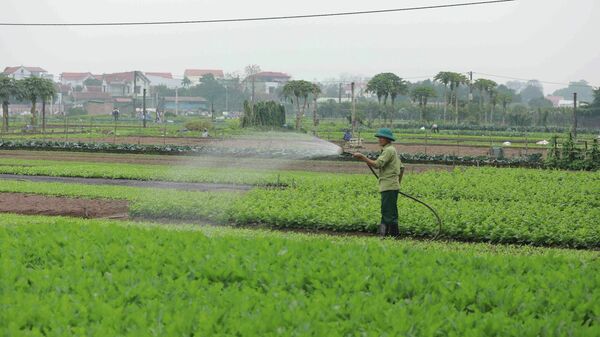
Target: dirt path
<point>210,161</point>
<point>33,204</point>
<point>133,183</point>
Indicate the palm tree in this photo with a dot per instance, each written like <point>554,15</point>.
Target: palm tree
<point>505,99</point>
<point>298,89</point>
<point>397,87</point>
<point>47,91</point>
<point>493,102</point>
<point>444,77</point>
<point>32,88</point>
<point>456,79</point>
<point>421,94</point>
<point>491,90</point>
<point>8,88</point>
<point>186,82</point>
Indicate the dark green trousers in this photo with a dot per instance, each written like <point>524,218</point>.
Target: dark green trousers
<point>389,213</point>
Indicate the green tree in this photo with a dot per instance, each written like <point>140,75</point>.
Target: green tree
<point>210,89</point>
<point>186,82</point>
<point>485,87</point>
<point>33,89</point>
<point>456,80</point>
<point>585,92</point>
<point>296,90</point>
<point>8,88</point>
<point>595,105</point>
<point>445,78</point>
<point>316,91</point>
<point>420,95</point>
<point>92,82</point>
<point>47,91</point>
<point>384,86</point>
<point>533,90</point>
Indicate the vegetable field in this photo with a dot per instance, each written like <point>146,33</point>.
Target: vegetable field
<point>68,277</point>
<point>540,207</point>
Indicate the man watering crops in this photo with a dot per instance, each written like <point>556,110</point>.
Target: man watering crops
<point>389,166</point>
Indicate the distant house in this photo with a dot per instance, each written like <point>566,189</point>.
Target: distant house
<point>165,79</point>
<point>94,107</point>
<point>195,75</point>
<point>122,84</point>
<point>21,72</point>
<point>75,79</point>
<point>567,103</point>
<point>555,100</point>
<point>82,97</point>
<point>267,82</point>
<point>183,104</point>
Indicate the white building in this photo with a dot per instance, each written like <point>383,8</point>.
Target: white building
<point>75,79</point>
<point>566,103</point>
<point>122,84</point>
<point>194,75</point>
<point>21,72</point>
<point>165,79</point>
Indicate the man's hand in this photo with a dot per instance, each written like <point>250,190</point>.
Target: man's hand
<point>364,158</point>
<point>359,156</point>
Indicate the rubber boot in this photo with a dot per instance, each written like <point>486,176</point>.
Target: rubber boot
<point>382,230</point>
<point>393,231</point>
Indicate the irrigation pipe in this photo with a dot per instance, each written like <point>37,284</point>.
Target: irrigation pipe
<point>439,220</point>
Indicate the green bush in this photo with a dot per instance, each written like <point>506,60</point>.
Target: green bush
<point>263,114</point>
<point>571,157</point>
<point>198,125</point>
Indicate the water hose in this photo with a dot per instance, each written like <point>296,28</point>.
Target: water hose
<point>439,220</point>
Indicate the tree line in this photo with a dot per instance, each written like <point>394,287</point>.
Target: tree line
<point>32,89</point>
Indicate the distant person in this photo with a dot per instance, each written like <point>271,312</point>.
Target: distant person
<point>435,128</point>
<point>115,114</point>
<point>347,136</point>
<point>205,133</point>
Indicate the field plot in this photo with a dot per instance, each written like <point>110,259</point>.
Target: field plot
<point>541,207</point>
<point>64,277</point>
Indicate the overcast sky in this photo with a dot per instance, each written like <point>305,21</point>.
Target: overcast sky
<point>549,40</point>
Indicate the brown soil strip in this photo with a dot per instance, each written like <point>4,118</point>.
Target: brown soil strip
<point>33,204</point>
<point>458,150</point>
<point>131,183</point>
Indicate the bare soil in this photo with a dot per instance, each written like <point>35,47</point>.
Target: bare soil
<point>457,150</point>
<point>33,204</point>
<point>133,183</point>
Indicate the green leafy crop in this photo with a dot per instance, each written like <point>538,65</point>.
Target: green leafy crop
<point>68,277</point>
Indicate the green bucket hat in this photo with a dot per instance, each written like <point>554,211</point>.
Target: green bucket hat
<point>385,133</point>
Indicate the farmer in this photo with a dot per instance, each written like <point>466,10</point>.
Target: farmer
<point>347,136</point>
<point>115,114</point>
<point>389,166</point>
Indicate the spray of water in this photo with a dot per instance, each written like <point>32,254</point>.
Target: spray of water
<point>261,150</point>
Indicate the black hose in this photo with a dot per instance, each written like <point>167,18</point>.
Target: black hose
<point>420,202</point>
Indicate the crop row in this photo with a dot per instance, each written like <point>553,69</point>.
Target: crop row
<point>502,206</point>
<point>551,187</point>
<point>68,277</point>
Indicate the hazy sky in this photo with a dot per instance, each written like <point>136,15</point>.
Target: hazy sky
<point>550,40</point>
